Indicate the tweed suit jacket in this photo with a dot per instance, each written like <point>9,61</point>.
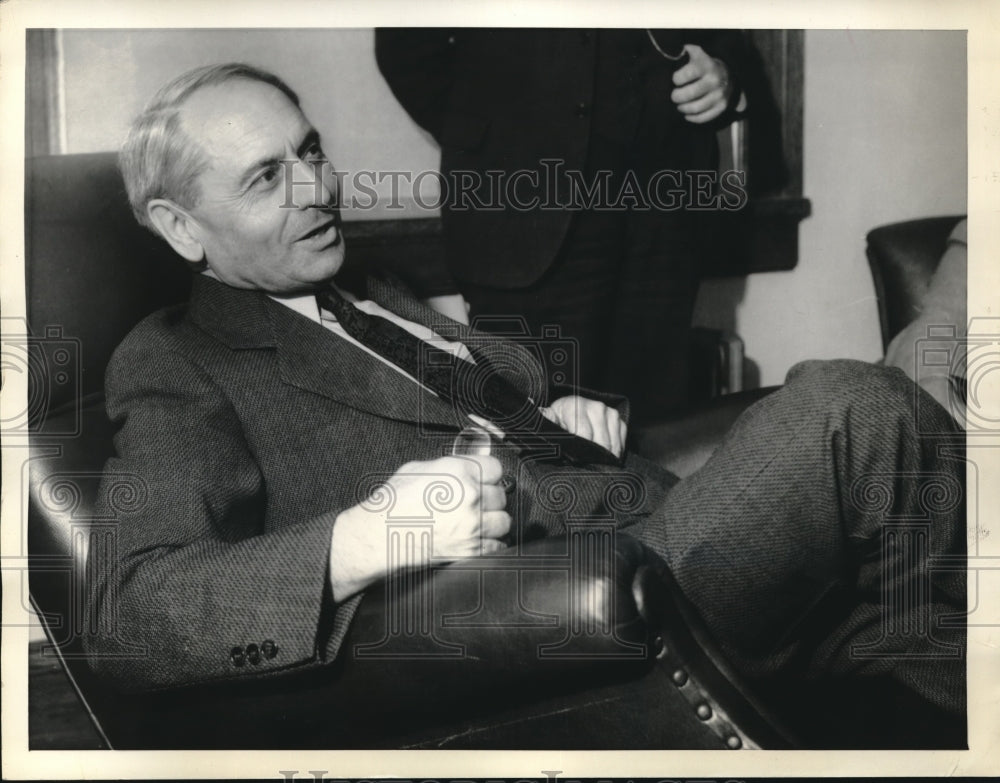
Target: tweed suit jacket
<point>248,428</point>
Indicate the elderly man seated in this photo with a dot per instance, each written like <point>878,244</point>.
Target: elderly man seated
<point>256,415</point>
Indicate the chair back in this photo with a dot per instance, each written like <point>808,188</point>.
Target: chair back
<point>903,258</point>
<point>93,272</point>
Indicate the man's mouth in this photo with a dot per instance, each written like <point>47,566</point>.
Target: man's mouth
<point>327,232</point>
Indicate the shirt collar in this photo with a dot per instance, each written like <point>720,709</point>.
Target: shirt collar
<point>303,304</point>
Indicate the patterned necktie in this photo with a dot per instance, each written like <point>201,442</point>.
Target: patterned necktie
<point>475,388</point>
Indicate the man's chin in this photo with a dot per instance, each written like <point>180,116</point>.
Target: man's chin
<point>306,274</point>
<point>314,282</point>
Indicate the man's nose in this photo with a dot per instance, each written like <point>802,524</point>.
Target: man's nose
<point>310,184</point>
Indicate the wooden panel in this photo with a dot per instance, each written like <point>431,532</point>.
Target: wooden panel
<point>780,55</point>
<point>41,127</point>
<point>763,236</point>
<point>413,250</point>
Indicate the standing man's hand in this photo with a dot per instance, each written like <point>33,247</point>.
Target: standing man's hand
<point>703,87</point>
<point>589,419</point>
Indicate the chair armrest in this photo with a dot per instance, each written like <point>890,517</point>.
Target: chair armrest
<point>500,630</point>
<point>425,659</point>
<point>613,620</point>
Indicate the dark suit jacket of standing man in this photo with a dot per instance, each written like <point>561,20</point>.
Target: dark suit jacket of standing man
<point>505,99</point>
<point>250,428</point>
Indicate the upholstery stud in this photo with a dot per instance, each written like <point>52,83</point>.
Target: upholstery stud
<point>659,647</point>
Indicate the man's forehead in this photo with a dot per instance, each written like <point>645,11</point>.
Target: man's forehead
<point>242,117</point>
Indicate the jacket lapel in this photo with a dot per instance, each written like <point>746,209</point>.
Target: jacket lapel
<point>313,359</point>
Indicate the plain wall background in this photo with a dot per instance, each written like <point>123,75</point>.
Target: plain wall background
<point>109,75</point>
<point>884,140</point>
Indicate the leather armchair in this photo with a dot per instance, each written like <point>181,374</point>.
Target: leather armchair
<point>524,651</point>
<point>903,258</point>
<point>510,658</point>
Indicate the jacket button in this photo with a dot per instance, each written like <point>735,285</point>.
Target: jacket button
<point>238,656</point>
<point>269,648</point>
<point>507,483</point>
<point>582,109</point>
<point>253,654</point>
<point>585,36</point>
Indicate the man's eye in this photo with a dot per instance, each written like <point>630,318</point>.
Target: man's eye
<point>267,177</point>
<point>315,152</point>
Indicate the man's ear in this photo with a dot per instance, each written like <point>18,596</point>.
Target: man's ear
<point>176,226</point>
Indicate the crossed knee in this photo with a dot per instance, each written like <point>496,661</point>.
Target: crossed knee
<point>868,392</point>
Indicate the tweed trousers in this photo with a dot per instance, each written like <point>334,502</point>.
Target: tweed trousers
<point>824,541</point>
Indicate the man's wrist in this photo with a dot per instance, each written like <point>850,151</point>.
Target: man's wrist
<point>353,559</point>
<point>736,99</point>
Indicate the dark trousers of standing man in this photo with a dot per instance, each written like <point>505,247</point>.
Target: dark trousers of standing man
<point>622,287</point>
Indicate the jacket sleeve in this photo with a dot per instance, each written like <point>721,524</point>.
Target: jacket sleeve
<point>418,65</point>
<point>193,589</point>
